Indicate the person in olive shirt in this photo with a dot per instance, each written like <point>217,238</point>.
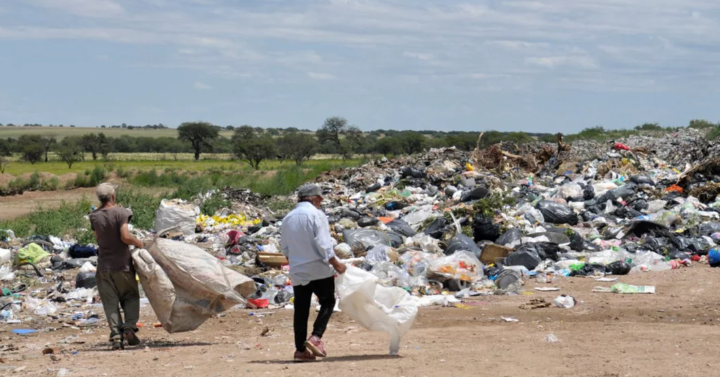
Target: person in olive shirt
<point>115,272</point>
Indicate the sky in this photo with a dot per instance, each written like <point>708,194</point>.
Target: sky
<point>513,65</point>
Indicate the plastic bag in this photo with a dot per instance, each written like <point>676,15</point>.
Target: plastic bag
<point>85,280</point>
<point>463,242</point>
<point>477,193</point>
<point>511,238</point>
<point>343,251</point>
<point>366,238</point>
<point>377,308</point>
<point>557,213</point>
<point>32,253</point>
<point>424,242</point>
<point>416,263</point>
<point>437,228</point>
<point>365,222</point>
<point>6,274</point>
<point>569,191</point>
<point>484,229</point>
<point>391,275</point>
<point>461,265</point>
<point>525,258</point>
<point>376,255</point>
<point>88,267</point>
<point>401,227</point>
<point>186,285</point>
<point>176,214</point>
<point>5,255</point>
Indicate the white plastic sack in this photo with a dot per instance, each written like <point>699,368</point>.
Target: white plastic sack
<point>461,265</point>
<point>186,286</point>
<point>6,274</point>
<point>377,308</point>
<point>174,213</point>
<point>88,267</point>
<point>5,255</point>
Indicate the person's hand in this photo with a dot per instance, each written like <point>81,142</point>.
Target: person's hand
<point>340,268</point>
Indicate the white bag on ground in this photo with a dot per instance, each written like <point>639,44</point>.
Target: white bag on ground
<point>377,308</point>
<point>185,285</point>
<point>177,214</point>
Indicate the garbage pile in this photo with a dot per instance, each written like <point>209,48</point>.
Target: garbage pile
<point>442,226</point>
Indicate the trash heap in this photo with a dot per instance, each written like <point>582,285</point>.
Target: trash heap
<point>470,223</point>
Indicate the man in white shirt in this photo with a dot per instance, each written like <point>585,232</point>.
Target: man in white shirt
<point>306,242</point>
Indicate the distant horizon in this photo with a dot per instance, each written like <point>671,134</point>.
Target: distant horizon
<point>463,65</point>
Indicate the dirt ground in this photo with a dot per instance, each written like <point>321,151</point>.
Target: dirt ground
<point>18,205</point>
<point>671,333</point>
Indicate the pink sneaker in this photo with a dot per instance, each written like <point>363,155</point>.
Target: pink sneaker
<point>315,345</point>
<point>301,357</point>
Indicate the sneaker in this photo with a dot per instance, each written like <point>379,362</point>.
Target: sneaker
<point>301,357</point>
<point>117,343</point>
<point>131,337</point>
<point>315,345</point>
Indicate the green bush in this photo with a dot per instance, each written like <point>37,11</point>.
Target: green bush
<point>82,180</point>
<point>18,185</point>
<point>214,203</point>
<point>142,205</point>
<point>51,184</point>
<point>97,176</point>
<point>34,183</point>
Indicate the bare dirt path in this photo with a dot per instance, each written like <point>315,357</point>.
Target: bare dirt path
<point>18,205</point>
<point>672,333</point>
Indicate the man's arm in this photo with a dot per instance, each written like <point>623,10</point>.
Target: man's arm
<point>128,238</point>
<point>324,241</point>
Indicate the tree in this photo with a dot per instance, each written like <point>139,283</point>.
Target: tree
<point>388,146</point>
<point>47,142</point>
<point>31,147</point>
<point>331,131</point>
<point>273,131</point>
<point>355,138</point>
<point>412,142</point>
<point>649,127</point>
<point>70,151</point>
<point>253,148</point>
<point>230,128</point>
<point>4,162</point>
<point>199,134</point>
<point>91,143</point>
<point>700,124</point>
<point>5,148</point>
<point>298,147</point>
<point>104,145</point>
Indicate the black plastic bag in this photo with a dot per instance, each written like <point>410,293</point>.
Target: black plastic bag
<point>477,193</point>
<point>640,204</point>
<point>401,227</point>
<point>642,180</point>
<point>79,251</point>
<point>462,242</point>
<point>394,206</point>
<point>588,192</point>
<point>589,270</point>
<point>511,236</point>
<point>577,243</point>
<point>450,191</point>
<point>707,229</point>
<point>437,228</point>
<point>555,213</point>
<point>545,250</point>
<point>373,188</point>
<point>85,280</point>
<point>679,255</point>
<point>625,191</point>
<point>365,222</point>
<point>346,212</point>
<point>527,258</point>
<point>484,229</point>
<point>618,268</point>
<point>413,173</point>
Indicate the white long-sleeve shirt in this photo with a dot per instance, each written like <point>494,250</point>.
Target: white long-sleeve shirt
<point>306,242</point>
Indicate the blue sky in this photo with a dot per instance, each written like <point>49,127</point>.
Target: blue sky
<point>541,66</point>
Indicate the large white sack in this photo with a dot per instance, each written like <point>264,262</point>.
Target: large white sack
<point>175,214</point>
<point>185,285</point>
<point>377,308</point>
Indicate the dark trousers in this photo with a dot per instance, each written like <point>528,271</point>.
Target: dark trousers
<point>119,289</point>
<point>324,289</point>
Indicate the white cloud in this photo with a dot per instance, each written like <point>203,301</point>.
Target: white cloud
<point>187,51</point>
<point>200,86</point>
<point>419,56</point>
<point>85,8</point>
<point>320,76</point>
<point>562,61</point>
<point>102,57</point>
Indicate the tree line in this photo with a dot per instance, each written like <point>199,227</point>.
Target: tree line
<point>254,144</point>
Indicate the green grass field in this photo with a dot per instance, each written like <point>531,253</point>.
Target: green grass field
<point>59,133</point>
<point>58,168</point>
